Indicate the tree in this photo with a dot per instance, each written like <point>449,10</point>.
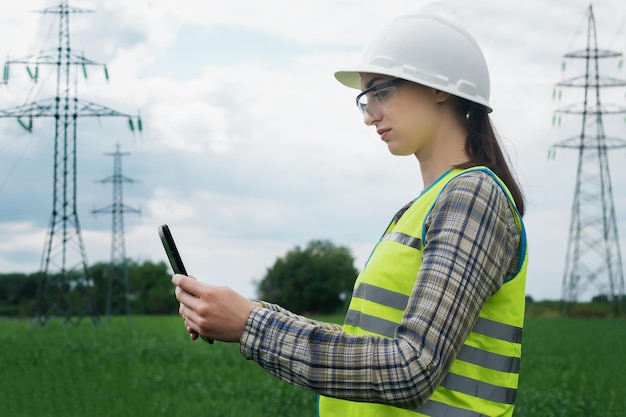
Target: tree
<point>600,299</point>
<point>18,293</point>
<point>315,280</point>
<point>151,288</point>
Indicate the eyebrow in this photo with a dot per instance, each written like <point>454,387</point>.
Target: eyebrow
<point>372,81</point>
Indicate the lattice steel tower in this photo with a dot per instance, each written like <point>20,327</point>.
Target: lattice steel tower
<point>593,261</point>
<point>118,296</point>
<point>65,287</point>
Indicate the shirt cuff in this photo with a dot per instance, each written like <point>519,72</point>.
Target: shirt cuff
<point>252,336</point>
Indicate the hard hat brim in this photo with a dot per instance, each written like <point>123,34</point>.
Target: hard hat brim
<point>351,77</point>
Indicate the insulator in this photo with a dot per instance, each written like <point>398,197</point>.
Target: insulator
<point>563,65</point>
<point>139,124</point>
<point>33,74</point>
<point>5,77</point>
<point>29,126</point>
<point>106,73</point>
<point>620,64</point>
<point>84,71</point>
<point>131,124</point>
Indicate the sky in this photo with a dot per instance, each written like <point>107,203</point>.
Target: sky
<point>250,147</point>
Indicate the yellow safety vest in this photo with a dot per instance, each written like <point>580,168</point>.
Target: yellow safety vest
<point>483,378</point>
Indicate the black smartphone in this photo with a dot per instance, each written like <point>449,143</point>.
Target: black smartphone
<point>174,257</point>
<point>170,249</point>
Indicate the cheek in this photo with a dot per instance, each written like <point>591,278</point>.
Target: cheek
<point>419,111</point>
<point>420,125</point>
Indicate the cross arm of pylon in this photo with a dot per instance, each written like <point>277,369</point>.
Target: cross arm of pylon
<point>90,109</point>
<point>117,178</point>
<point>47,108</point>
<point>63,8</point>
<point>607,142</point>
<point>593,53</point>
<point>43,108</point>
<point>592,82</point>
<point>51,57</point>
<point>579,108</point>
<point>119,208</point>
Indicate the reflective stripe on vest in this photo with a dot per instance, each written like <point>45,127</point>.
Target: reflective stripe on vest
<point>381,296</point>
<point>406,240</point>
<point>467,353</point>
<point>479,389</point>
<point>484,375</point>
<point>372,324</point>
<point>498,330</point>
<point>437,409</point>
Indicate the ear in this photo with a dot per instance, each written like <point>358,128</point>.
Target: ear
<point>440,96</point>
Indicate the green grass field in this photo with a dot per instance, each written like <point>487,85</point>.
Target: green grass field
<point>149,367</point>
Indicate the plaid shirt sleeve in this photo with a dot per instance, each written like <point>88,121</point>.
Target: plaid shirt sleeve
<point>275,307</point>
<point>471,246</point>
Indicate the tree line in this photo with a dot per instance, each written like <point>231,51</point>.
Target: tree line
<point>316,279</point>
<point>149,288</point>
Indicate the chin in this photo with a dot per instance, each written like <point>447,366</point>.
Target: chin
<point>399,152</point>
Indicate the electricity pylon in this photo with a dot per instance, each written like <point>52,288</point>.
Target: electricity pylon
<point>118,296</point>
<point>65,287</point>
<point>593,258</point>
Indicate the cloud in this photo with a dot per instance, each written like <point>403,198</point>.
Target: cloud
<point>250,146</point>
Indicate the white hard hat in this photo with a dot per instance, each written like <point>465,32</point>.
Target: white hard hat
<point>429,50</point>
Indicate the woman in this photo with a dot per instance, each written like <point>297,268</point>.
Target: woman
<point>434,325</point>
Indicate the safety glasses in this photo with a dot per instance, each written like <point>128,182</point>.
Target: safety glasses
<point>377,97</point>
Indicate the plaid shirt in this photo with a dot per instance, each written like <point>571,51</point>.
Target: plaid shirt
<point>472,246</point>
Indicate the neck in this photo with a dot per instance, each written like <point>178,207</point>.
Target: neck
<point>447,151</point>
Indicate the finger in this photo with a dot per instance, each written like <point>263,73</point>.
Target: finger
<point>190,325</point>
<point>192,333</point>
<point>187,283</point>
<point>188,313</point>
<point>185,298</point>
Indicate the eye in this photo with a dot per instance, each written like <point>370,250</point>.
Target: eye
<point>382,93</point>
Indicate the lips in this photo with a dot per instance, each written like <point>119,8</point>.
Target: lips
<point>383,132</point>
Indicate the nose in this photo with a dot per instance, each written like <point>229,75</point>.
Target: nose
<point>368,118</point>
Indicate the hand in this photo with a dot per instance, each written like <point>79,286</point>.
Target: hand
<point>214,312</point>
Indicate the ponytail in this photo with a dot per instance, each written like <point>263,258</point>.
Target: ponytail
<point>483,148</point>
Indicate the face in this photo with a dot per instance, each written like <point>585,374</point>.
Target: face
<point>406,115</point>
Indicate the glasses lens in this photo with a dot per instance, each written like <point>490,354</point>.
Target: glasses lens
<point>361,102</point>
<point>373,98</point>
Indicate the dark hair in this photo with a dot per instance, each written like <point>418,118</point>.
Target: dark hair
<point>483,148</point>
